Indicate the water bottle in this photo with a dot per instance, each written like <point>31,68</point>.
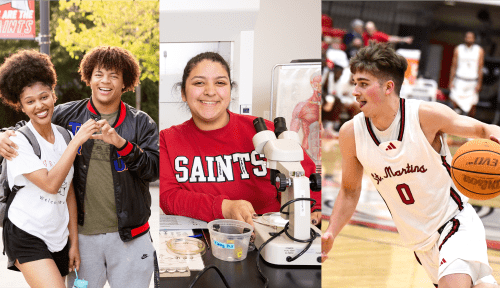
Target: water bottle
<point>80,283</point>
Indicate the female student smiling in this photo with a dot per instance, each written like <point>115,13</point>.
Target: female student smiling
<point>42,214</point>
<point>208,166</point>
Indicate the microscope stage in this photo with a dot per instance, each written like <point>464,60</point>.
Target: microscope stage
<point>276,251</point>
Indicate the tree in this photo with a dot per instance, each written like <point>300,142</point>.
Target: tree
<point>128,24</point>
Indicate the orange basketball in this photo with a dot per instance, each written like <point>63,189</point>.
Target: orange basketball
<point>475,169</point>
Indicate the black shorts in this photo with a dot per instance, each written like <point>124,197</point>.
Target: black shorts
<point>27,248</point>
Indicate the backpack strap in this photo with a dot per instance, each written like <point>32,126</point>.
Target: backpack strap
<point>64,133</point>
<point>25,130</point>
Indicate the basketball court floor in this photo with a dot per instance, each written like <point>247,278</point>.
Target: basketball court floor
<point>368,252</point>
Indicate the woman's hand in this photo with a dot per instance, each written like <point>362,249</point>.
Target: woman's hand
<point>74,258</point>
<point>7,147</point>
<point>85,132</point>
<point>315,217</point>
<point>238,210</point>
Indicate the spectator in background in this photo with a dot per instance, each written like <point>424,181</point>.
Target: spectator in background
<point>355,33</point>
<point>337,78</point>
<point>466,74</point>
<point>327,30</point>
<point>372,33</point>
<point>354,47</point>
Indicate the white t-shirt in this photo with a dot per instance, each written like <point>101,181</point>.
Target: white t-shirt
<point>33,210</point>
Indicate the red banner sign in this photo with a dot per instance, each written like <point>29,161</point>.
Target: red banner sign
<point>17,19</point>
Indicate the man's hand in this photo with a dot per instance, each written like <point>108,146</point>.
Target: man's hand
<point>7,147</point>
<point>109,135</point>
<point>238,210</point>
<point>326,245</point>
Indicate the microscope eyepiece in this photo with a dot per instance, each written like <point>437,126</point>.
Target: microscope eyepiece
<point>279,126</point>
<point>259,124</point>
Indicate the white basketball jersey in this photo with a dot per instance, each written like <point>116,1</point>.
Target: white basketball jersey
<point>467,62</point>
<point>410,175</point>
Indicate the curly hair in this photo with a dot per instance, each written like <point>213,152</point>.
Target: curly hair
<point>380,60</point>
<point>111,58</point>
<point>24,69</point>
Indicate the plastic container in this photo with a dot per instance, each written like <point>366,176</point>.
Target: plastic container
<point>229,239</point>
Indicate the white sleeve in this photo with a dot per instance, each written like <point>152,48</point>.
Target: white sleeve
<point>24,163</point>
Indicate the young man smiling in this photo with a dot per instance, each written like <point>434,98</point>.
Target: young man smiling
<point>394,134</point>
<point>112,173</point>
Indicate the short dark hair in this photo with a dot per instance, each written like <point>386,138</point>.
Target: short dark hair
<point>380,60</point>
<point>111,58</point>
<point>24,69</point>
<point>212,56</point>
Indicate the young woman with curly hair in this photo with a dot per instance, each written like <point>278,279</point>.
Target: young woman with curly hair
<point>42,213</point>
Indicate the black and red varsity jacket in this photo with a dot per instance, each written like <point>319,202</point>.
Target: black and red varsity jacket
<point>134,165</point>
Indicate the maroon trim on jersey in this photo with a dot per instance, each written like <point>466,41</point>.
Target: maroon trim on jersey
<point>418,260</point>
<point>456,198</point>
<point>454,229</point>
<point>370,130</point>
<point>401,126</point>
<point>446,165</point>
<point>454,195</point>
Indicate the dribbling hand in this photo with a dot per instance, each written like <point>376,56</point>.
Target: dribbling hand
<point>326,245</point>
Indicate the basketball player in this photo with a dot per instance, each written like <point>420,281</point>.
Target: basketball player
<point>466,74</point>
<point>400,144</point>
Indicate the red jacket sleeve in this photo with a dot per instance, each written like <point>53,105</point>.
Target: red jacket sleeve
<point>177,201</point>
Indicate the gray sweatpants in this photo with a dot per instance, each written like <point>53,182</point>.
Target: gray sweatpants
<point>107,257</point>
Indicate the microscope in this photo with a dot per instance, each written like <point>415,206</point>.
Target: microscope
<point>300,244</point>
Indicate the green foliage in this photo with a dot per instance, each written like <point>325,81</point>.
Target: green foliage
<point>149,98</point>
<point>133,25</point>
<point>128,24</point>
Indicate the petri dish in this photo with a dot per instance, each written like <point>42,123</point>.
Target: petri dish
<point>186,246</point>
